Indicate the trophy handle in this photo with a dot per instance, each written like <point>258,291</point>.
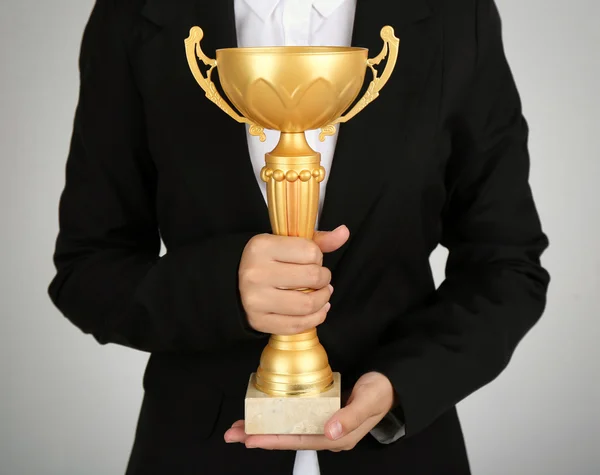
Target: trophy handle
<point>193,52</point>
<point>391,45</point>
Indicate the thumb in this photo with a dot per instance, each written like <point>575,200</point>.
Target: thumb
<point>361,406</point>
<point>329,241</point>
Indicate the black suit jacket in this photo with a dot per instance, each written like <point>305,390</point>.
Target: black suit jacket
<point>440,157</point>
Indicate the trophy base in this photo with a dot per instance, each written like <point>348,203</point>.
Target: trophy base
<point>277,415</point>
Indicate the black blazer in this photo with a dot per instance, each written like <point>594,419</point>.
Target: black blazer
<point>440,157</point>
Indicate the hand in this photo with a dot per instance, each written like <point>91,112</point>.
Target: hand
<point>371,399</point>
<point>273,266</point>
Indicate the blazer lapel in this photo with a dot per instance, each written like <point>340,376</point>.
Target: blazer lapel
<point>217,19</point>
<point>357,178</point>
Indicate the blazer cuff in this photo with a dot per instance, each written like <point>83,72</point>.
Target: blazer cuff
<point>389,429</point>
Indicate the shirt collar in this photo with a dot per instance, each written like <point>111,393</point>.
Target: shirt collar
<point>327,7</point>
<point>265,8</point>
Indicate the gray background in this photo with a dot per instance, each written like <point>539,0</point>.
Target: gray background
<point>69,406</point>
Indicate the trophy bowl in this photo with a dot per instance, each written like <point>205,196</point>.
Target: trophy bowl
<point>295,88</point>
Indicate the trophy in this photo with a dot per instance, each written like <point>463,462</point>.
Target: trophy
<point>292,89</point>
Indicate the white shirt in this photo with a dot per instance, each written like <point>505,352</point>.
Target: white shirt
<point>300,23</point>
<point>294,23</point>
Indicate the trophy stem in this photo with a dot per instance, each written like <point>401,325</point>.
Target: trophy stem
<point>293,365</point>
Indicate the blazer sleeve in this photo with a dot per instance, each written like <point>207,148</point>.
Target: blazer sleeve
<point>110,280</point>
<point>495,288</point>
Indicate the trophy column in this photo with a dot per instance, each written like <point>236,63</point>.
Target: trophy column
<point>294,390</point>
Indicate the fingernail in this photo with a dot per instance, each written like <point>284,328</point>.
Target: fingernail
<point>327,306</point>
<point>330,288</point>
<point>335,430</point>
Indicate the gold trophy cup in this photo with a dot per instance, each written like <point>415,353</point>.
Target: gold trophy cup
<point>292,90</point>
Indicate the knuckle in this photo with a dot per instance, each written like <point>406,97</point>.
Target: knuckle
<point>322,317</point>
<point>267,326</point>
<point>314,274</point>
<point>297,326</point>
<point>308,304</point>
<point>319,318</point>
<point>251,275</point>
<point>253,244</point>
<point>251,320</point>
<point>327,275</point>
<point>324,297</point>
<point>261,239</point>
<point>251,303</point>
<point>316,302</point>
<point>314,253</point>
<point>258,327</point>
<point>258,243</point>
<point>350,446</point>
<point>254,321</point>
<point>243,274</point>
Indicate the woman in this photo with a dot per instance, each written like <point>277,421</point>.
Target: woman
<point>441,159</point>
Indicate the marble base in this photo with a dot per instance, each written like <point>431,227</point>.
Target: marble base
<point>290,415</point>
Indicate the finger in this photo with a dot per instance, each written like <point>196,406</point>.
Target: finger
<point>310,442</point>
<point>295,303</point>
<point>293,276</point>
<point>236,433</point>
<point>292,325</point>
<point>289,442</point>
<point>329,241</point>
<point>362,406</point>
<point>293,250</point>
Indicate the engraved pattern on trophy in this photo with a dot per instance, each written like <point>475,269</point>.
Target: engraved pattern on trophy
<point>289,110</point>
